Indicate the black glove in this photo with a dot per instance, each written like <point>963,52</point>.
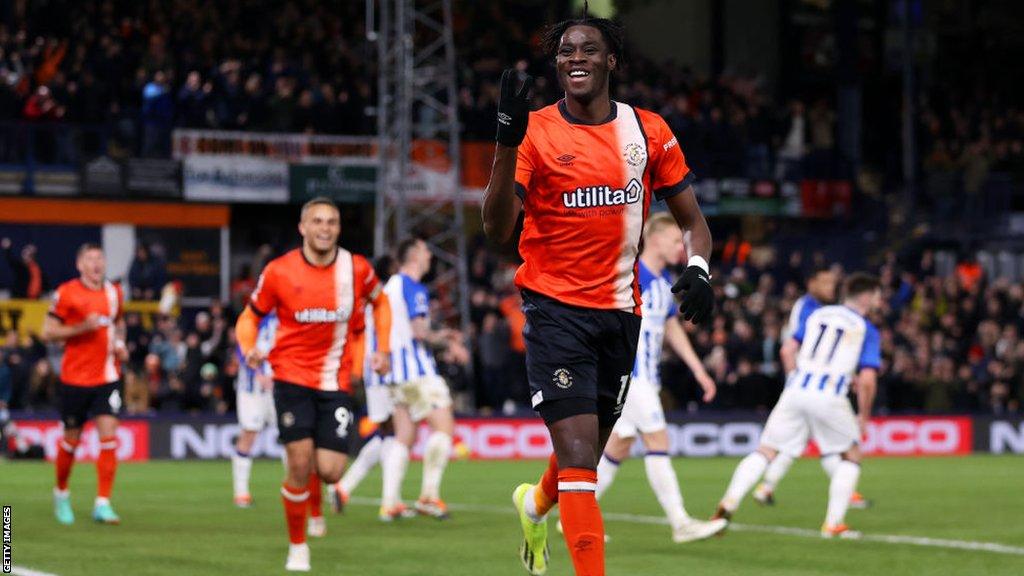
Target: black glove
<point>513,109</point>
<point>698,296</point>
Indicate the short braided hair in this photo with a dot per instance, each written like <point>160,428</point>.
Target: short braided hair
<point>610,30</point>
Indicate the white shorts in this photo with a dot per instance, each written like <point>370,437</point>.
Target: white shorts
<point>379,404</point>
<point>801,414</point>
<point>422,396</point>
<point>642,411</point>
<point>255,410</point>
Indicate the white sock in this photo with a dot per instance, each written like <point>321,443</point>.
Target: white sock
<point>662,478</point>
<point>394,459</point>
<point>830,462</point>
<point>241,469</point>
<point>435,459</point>
<point>747,473</point>
<point>101,501</point>
<point>777,470</point>
<point>369,456</point>
<point>844,482</point>
<point>606,470</point>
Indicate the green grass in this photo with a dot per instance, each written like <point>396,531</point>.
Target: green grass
<point>178,519</point>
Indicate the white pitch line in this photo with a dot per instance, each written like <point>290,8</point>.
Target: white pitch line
<point>783,530</point>
<point>22,571</point>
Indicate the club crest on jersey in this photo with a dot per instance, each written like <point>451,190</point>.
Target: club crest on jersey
<point>634,154</point>
<point>320,316</point>
<point>598,196</point>
<point>562,378</point>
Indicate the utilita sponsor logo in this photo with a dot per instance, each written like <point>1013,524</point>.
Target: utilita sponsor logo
<point>598,196</point>
<point>320,316</point>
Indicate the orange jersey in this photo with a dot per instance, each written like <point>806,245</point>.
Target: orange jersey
<point>89,358</point>
<point>586,190</point>
<point>315,306</point>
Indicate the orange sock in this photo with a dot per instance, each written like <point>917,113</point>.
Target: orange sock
<point>315,496</point>
<point>295,506</point>
<point>581,520</point>
<point>545,498</point>
<point>65,460</point>
<point>106,466</point>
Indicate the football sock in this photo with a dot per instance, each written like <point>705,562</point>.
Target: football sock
<point>777,469</point>
<point>840,489</point>
<point>368,457</point>
<point>241,469</point>
<point>316,496</point>
<point>665,484</point>
<point>106,466</point>
<point>747,473</point>
<point>544,495</point>
<point>394,459</point>
<point>581,520</point>
<point>65,460</point>
<point>435,459</point>
<point>606,470</point>
<point>295,507</point>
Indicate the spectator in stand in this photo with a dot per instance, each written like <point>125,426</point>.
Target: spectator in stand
<point>29,280</point>
<point>193,102</point>
<point>157,116</point>
<point>147,274</point>
<point>42,386</point>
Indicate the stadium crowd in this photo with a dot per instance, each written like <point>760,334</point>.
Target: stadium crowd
<point>155,66</point>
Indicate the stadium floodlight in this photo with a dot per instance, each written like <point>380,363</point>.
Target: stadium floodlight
<point>418,182</point>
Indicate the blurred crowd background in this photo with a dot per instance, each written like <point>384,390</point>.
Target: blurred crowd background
<point>120,75</point>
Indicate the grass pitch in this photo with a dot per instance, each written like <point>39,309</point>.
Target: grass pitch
<point>177,518</point>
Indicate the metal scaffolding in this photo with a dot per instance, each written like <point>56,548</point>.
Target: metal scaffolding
<point>418,180</point>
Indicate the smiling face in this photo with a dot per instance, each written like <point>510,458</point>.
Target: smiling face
<point>320,227</point>
<point>584,63</point>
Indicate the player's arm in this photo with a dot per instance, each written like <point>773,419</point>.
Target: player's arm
<point>247,330</point>
<point>680,344</point>
<point>120,333</point>
<point>381,361</point>
<point>501,206</point>
<point>54,329</point>
<point>867,375</point>
<point>688,215</point>
<point>422,331</point>
<point>867,384</point>
<point>694,285</point>
<point>788,355</point>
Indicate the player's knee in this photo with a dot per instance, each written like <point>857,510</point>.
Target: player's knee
<point>852,455</point>
<point>330,476</point>
<point>72,434</point>
<point>768,453</point>
<point>618,447</point>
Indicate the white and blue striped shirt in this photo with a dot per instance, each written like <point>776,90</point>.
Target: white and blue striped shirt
<point>410,358</point>
<point>246,379</point>
<point>802,308</point>
<point>658,307</point>
<point>835,343</point>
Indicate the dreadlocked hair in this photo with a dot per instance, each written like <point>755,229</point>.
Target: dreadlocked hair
<point>610,30</point>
